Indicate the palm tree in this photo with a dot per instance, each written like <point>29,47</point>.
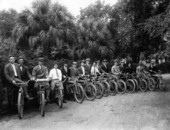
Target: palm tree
<point>47,27</point>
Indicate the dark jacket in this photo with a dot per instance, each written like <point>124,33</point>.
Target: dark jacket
<point>105,69</point>
<point>64,72</point>
<point>80,71</point>
<point>73,72</point>
<point>9,72</point>
<point>25,74</point>
<point>87,69</point>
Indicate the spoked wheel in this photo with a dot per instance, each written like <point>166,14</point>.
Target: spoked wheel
<point>20,104</point>
<point>152,84</point>
<point>143,85</point>
<point>79,94</point>
<point>100,90</point>
<point>106,88</point>
<point>121,86</point>
<point>130,86</point>
<point>90,92</point>
<point>136,84</point>
<point>60,98</point>
<point>162,85</point>
<point>42,104</point>
<point>113,88</point>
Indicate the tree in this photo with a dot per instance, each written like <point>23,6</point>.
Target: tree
<point>47,29</point>
<point>7,22</point>
<point>94,37</point>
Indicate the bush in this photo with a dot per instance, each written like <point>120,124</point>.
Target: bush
<point>164,67</point>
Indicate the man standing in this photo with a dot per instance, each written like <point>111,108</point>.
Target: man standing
<point>87,67</point>
<point>81,70</point>
<point>41,72</point>
<point>115,69</point>
<point>13,76</point>
<point>56,78</point>
<point>65,71</point>
<point>104,67</point>
<point>74,70</point>
<point>25,74</point>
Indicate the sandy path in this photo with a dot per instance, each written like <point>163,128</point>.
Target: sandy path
<point>138,111</point>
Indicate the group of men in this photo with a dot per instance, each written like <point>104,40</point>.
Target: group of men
<point>18,72</point>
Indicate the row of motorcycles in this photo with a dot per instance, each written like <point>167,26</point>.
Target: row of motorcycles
<point>91,87</point>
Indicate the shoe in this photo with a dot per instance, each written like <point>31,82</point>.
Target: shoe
<point>47,100</point>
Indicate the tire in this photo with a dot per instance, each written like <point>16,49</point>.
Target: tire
<point>162,85</point>
<point>60,98</point>
<point>113,88</point>
<point>152,84</point>
<point>90,92</point>
<point>42,104</point>
<point>136,84</point>
<point>130,86</point>
<point>143,85</point>
<point>20,104</point>
<point>79,93</point>
<point>121,86</point>
<point>106,88</point>
<point>100,90</point>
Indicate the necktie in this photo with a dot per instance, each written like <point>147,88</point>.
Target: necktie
<point>57,73</point>
<point>21,68</point>
<point>15,72</point>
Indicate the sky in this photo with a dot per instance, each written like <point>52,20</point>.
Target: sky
<point>72,5</point>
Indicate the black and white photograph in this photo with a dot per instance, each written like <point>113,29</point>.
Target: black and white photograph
<point>84,64</point>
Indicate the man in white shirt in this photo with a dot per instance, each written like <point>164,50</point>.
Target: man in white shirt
<point>55,76</point>
<point>81,70</point>
<point>94,69</point>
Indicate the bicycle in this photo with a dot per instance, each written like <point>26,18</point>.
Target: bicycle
<point>103,80</point>
<point>75,88</point>
<point>89,89</point>
<point>160,83</point>
<point>57,96</point>
<point>99,87</point>
<point>41,94</point>
<point>20,100</point>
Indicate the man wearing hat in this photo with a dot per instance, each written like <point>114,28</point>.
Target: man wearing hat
<point>25,74</point>
<point>87,67</point>
<point>41,72</point>
<point>13,76</point>
<point>104,67</point>
<point>73,70</point>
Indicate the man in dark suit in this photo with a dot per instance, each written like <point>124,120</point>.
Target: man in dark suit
<point>25,74</point>
<point>65,71</point>
<point>87,67</point>
<point>74,70</point>
<point>13,75</point>
<point>104,67</point>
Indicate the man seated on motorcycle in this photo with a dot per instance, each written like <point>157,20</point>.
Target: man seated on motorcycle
<point>55,76</point>
<point>41,72</point>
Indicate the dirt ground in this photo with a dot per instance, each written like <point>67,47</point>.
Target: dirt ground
<point>138,111</point>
